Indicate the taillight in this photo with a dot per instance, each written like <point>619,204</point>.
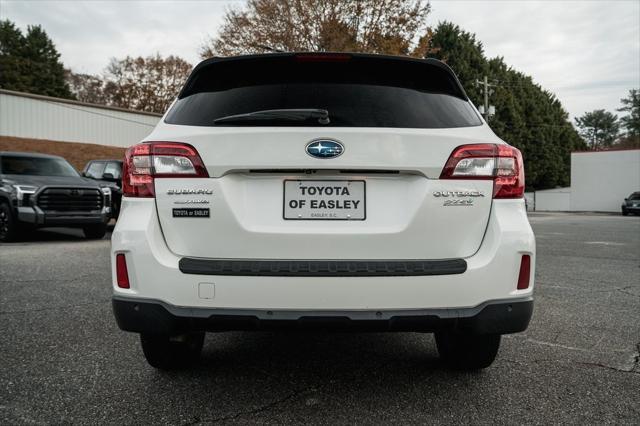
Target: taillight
<point>146,161</point>
<point>500,163</point>
<point>122,275</point>
<point>525,272</point>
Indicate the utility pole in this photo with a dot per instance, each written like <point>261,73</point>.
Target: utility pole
<point>486,97</point>
<point>486,110</point>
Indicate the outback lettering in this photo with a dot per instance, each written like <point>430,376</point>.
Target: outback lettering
<point>458,194</point>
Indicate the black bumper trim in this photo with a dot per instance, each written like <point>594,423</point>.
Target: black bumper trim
<point>35,216</point>
<point>156,317</point>
<point>322,268</point>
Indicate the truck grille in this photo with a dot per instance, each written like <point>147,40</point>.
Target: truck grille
<point>70,200</point>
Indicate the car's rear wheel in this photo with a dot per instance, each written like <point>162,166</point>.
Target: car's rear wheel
<point>467,351</point>
<point>95,232</point>
<point>171,352</point>
<point>8,224</point>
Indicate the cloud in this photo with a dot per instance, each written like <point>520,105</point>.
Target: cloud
<point>89,33</point>
<point>587,52</point>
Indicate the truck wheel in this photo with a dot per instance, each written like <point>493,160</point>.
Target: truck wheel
<point>467,351</point>
<point>8,224</point>
<point>95,232</point>
<point>171,352</point>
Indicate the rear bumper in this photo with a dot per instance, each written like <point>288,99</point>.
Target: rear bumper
<point>156,317</point>
<point>156,273</point>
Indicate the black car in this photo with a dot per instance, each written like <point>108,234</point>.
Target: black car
<point>109,174</point>
<point>631,204</point>
<point>39,191</point>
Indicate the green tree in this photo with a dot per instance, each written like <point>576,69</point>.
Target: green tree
<point>599,128</point>
<point>527,116</point>
<point>378,26</point>
<point>631,121</point>
<point>30,62</point>
<point>463,53</point>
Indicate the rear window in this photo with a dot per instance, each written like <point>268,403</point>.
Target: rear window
<point>95,170</point>
<point>359,92</point>
<point>115,169</point>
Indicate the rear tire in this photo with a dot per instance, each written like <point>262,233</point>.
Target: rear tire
<point>8,224</point>
<point>171,352</point>
<point>95,232</point>
<point>467,351</point>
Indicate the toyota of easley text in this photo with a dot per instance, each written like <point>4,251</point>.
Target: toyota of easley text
<point>323,191</point>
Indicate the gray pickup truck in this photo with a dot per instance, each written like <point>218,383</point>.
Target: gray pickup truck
<point>38,191</point>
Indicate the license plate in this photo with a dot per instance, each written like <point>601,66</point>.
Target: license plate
<point>325,200</point>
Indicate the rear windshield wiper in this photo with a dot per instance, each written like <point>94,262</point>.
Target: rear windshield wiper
<point>301,114</point>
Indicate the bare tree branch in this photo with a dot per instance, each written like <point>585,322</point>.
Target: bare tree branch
<point>376,26</point>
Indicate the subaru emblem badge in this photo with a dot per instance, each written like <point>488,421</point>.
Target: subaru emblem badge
<point>324,148</point>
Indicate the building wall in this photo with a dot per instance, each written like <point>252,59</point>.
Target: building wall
<point>601,180</point>
<point>529,198</point>
<point>558,199</point>
<point>40,117</point>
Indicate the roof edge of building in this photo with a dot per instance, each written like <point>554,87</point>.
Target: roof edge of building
<point>73,102</point>
<point>605,150</point>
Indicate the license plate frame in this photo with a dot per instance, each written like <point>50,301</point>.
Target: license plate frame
<point>361,215</point>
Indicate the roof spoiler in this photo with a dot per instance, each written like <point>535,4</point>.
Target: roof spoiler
<point>321,57</point>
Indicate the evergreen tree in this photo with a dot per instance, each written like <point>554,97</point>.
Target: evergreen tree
<point>30,62</point>
<point>599,128</point>
<point>631,121</point>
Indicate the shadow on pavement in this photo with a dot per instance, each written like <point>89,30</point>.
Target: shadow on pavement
<point>55,235</point>
<point>318,354</point>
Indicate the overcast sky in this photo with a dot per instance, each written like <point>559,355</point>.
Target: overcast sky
<point>586,52</point>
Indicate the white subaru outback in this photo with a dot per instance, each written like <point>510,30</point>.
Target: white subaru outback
<point>330,191</point>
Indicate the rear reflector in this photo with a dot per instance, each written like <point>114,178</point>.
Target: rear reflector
<point>525,272</point>
<point>500,163</point>
<point>122,275</point>
<point>146,161</point>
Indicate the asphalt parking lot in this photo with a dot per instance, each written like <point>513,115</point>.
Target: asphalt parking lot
<point>63,360</point>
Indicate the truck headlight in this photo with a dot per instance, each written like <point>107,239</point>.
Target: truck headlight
<point>106,192</point>
<point>24,193</point>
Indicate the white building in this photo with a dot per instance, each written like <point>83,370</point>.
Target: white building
<point>600,181</point>
<point>30,116</point>
<point>557,199</point>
